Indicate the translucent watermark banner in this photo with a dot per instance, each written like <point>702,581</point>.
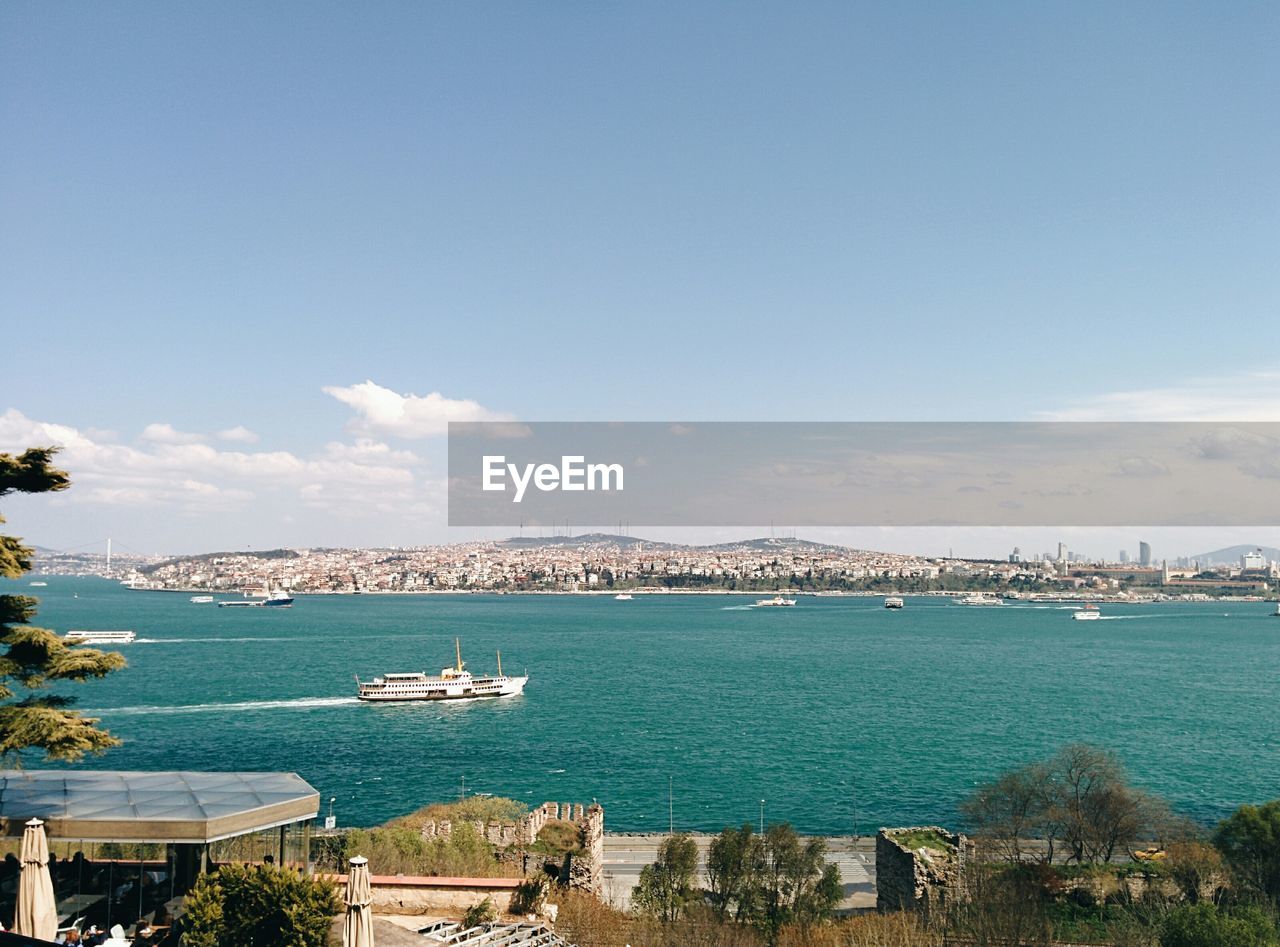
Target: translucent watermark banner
<point>864,474</point>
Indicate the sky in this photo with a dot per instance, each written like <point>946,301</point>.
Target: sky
<point>253,258</point>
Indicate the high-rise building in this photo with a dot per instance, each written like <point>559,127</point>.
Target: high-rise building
<point>1144,554</point>
<point>1124,556</point>
<point>1062,552</point>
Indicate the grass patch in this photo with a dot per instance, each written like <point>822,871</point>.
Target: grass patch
<point>922,838</point>
<point>558,838</point>
<point>475,809</point>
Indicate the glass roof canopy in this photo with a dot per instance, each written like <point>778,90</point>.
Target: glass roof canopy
<point>180,807</point>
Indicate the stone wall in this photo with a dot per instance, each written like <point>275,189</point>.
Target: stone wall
<point>584,871</point>
<point>398,894</point>
<point>926,879</point>
<point>505,834</point>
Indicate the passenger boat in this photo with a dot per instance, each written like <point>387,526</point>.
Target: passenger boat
<point>776,602</point>
<point>99,637</point>
<point>453,683</point>
<point>893,601</point>
<point>201,599</point>
<point>1088,613</point>
<point>979,600</point>
<point>622,597</point>
<point>38,585</point>
<point>274,600</point>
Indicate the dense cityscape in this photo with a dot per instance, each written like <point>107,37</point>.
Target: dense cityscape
<point>595,563</point>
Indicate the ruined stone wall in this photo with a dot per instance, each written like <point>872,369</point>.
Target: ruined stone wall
<point>584,871</point>
<point>924,880</point>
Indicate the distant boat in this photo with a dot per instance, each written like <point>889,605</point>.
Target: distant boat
<point>38,585</point>
<point>893,601</point>
<point>979,600</point>
<point>1276,613</point>
<point>776,602</point>
<point>622,597</point>
<point>99,637</point>
<point>1088,613</point>
<point>275,599</point>
<point>202,599</point>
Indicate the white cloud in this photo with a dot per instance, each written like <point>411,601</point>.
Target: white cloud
<point>1249,396</point>
<point>167,434</point>
<point>239,434</point>
<point>382,412</point>
<point>166,470</point>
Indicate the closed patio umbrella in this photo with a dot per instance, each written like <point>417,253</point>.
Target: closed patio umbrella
<point>358,930</point>
<point>36,914</point>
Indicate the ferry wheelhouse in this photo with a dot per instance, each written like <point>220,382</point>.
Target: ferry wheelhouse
<point>453,683</point>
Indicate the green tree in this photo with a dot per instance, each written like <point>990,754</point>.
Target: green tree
<point>1205,925</point>
<point>668,884</point>
<point>794,881</point>
<point>202,914</point>
<point>732,859</point>
<point>34,659</point>
<point>259,906</point>
<point>1249,840</point>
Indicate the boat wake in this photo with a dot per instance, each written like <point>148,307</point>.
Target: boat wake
<point>300,703</point>
<point>736,608</point>
<point>202,640</point>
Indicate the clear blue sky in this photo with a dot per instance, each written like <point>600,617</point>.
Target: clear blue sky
<point>745,211</point>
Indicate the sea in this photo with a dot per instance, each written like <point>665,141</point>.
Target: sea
<point>837,715</point>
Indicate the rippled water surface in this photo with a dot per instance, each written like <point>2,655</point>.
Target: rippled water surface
<point>833,711</point>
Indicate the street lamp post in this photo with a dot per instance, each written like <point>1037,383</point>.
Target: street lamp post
<point>762,817</point>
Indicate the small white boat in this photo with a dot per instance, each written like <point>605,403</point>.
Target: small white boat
<point>776,602</point>
<point>38,585</point>
<point>979,600</point>
<point>893,601</point>
<point>1276,613</point>
<point>201,599</point>
<point>1088,613</point>
<point>622,597</point>
<point>99,637</point>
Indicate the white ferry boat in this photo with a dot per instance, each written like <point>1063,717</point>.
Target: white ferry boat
<point>979,600</point>
<point>1088,613</point>
<point>201,599</point>
<point>776,602</point>
<point>622,597</point>
<point>38,585</point>
<point>99,637</point>
<point>893,601</point>
<point>453,683</point>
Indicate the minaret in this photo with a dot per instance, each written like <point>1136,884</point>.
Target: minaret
<point>108,553</point>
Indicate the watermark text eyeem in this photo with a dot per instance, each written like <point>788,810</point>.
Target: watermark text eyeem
<point>572,474</point>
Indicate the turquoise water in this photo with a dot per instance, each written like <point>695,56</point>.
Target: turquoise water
<point>831,710</point>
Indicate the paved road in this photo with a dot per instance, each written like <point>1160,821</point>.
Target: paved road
<point>625,855</point>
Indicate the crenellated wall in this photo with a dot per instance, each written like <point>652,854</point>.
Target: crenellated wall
<point>584,870</point>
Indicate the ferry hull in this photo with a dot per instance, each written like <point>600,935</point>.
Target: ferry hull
<point>374,695</point>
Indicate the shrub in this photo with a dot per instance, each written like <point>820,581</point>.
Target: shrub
<point>530,896</point>
<point>1205,925</point>
<point>259,906</point>
<point>479,914</point>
